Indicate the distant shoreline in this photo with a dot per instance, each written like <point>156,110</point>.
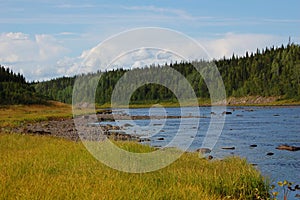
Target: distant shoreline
<point>231,101</point>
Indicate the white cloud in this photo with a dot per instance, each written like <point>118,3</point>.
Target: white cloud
<point>41,57</point>
<point>95,59</point>
<point>19,47</point>
<point>238,44</point>
<point>49,47</point>
<point>34,56</point>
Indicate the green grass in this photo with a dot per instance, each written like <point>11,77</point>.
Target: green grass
<point>40,167</point>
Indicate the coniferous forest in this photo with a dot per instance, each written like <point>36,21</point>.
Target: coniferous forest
<point>268,72</point>
<point>15,90</point>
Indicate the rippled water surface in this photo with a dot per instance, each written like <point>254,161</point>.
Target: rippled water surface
<point>266,127</point>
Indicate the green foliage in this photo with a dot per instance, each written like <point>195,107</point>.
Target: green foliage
<point>15,90</point>
<point>56,89</point>
<point>270,72</point>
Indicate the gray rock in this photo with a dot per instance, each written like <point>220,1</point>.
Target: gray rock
<point>203,150</point>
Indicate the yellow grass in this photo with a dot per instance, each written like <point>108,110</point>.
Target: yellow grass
<point>15,115</point>
<point>40,167</point>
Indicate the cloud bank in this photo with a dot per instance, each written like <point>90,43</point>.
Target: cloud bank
<point>41,57</point>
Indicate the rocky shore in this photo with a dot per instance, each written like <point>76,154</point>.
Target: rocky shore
<point>65,128</point>
<point>87,127</point>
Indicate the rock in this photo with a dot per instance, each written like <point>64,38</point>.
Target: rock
<point>104,111</point>
<point>157,124</point>
<point>226,113</point>
<point>228,148</point>
<point>39,132</point>
<point>144,140</point>
<point>115,128</point>
<point>210,157</point>
<point>203,150</point>
<point>161,138</point>
<point>270,154</point>
<point>127,125</point>
<point>288,148</point>
<point>253,145</point>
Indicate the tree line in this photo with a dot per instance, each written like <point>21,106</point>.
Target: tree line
<point>268,72</point>
<point>15,90</point>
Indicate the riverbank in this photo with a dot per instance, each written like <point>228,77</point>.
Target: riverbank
<point>39,167</point>
<point>230,101</point>
<point>29,162</point>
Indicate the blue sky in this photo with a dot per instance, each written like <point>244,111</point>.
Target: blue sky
<point>42,38</point>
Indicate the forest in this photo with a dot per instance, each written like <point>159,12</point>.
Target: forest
<point>15,90</point>
<point>268,72</point>
<point>271,71</point>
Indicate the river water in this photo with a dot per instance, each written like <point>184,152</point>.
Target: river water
<point>266,127</point>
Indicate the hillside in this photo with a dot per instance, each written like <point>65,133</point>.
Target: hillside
<point>15,90</point>
<point>269,72</point>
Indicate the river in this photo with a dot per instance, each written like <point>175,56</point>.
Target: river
<point>264,128</point>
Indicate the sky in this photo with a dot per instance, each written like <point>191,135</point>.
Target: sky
<point>48,38</point>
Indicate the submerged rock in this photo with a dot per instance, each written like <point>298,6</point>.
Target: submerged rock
<point>226,113</point>
<point>228,148</point>
<point>288,148</point>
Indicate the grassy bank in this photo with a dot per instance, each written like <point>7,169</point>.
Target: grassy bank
<point>36,167</point>
<point>15,115</point>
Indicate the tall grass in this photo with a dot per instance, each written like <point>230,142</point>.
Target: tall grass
<point>16,115</point>
<point>42,167</point>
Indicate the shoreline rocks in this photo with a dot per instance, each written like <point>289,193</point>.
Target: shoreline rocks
<point>65,128</point>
